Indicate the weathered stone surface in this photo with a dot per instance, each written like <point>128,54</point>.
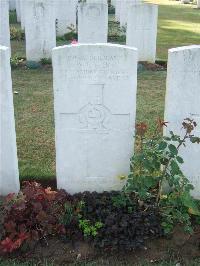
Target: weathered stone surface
<point>113,3</point>
<point>95,104</point>
<point>65,16</point>
<point>22,13</point>
<point>124,8</point>
<point>92,23</point>
<point>97,1</point>
<point>12,5</point>
<point>9,175</point>
<point>182,101</point>
<point>142,30</point>
<point>117,10</point>
<point>4,23</point>
<point>40,29</point>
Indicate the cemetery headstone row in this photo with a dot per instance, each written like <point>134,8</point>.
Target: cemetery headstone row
<point>95,104</point>
<point>43,18</point>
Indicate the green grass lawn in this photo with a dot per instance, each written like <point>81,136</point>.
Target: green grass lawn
<point>34,122</point>
<point>178,25</point>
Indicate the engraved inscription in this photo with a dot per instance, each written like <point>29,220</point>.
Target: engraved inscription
<point>93,12</point>
<point>96,68</point>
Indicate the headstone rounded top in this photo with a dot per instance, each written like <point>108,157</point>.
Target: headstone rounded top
<point>96,2</point>
<point>182,48</point>
<point>95,45</point>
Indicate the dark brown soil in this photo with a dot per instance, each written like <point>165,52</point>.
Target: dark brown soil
<point>44,182</point>
<point>158,66</point>
<point>181,247</point>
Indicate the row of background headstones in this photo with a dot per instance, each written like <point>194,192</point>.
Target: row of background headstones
<point>95,89</point>
<point>190,1</point>
<point>40,30</point>
<point>189,67</point>
<point>13,3</point>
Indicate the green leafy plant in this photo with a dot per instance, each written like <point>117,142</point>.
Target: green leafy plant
<point>157,162</point>
<point>46,61</point>
<point>127,223</point>
<point>31,215</point>
<point>72,33</point>
<point>89,229</point>
<point>111,220</point>
<point>16,34</point>
<point>71,215</point>
<point>16,61</point>
<point>123,200</point>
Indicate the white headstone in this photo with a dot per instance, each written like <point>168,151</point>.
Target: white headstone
<point>97,1</point>
<point>124,8</point>
<point>183,101</point>
<point>117,9</point>
<point>65,16</point>
<point>9,175</point>
<point>12,5</point>
<point>4,23</point>
<point>40,29</point>
<point>198,3</point>
<point>92,23</point>
<point>22,13</point>
<point>95,104</point>
<point>123,13</point>
<point>113,3</point>
<point>142,30</point>
<point>18,10</point>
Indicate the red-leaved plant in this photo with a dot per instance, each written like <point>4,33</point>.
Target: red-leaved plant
<point>31,215</point>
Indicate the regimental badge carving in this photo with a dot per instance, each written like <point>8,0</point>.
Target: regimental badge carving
<point>94,115</point>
